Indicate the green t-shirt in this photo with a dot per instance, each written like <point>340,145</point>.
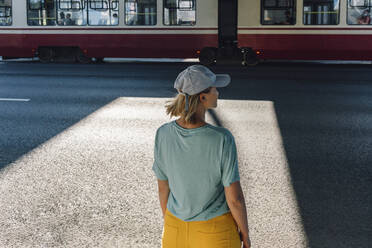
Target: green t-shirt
<point>198,163</point>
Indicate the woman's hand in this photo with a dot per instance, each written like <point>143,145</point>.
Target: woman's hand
<point>246,240</point>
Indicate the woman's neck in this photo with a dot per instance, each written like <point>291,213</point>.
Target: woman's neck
<point>181,121</point>
<point>199,119</point>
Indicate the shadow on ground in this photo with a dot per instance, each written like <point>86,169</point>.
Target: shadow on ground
<point>324,115</point>
<point>323,111</point>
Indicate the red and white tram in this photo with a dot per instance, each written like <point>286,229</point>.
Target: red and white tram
<point>208,29</point>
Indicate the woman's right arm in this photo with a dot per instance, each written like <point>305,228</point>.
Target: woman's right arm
<point>236,202</point>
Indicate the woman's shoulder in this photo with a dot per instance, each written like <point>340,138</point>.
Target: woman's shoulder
<point>164,127</point>
<point>222,132</point>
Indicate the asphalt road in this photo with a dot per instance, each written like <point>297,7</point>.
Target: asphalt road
<point>76,151</point>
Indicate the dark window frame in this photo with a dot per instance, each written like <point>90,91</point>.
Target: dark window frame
<point>99,9</point>
<point>11,14</point>
<point>125,14</point>
<point>303,16</point>
<point>41,8</point>
<point>292,7</point>
<point>82,9</point>
<point>72,2</point>
<point>364,6</point>
<point>5,8</point>
<point>194,9</point>
<point>110,8</point>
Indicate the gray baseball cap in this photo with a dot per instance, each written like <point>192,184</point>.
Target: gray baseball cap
<point>196,78</point>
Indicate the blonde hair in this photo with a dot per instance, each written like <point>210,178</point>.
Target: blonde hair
<point>176,106</point>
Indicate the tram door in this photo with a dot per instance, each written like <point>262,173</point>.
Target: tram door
<point>227,23</point>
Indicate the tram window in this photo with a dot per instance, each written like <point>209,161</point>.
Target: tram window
<point>103,12</point>
<point>5,12</point>
<point>41,12</point>
<point>70,5</point>
<point>179,12</point>
<point>359,12</point>
<point>324,12</point>
<point>71,13</point>
<point>140,12</point>
<point>278,12</point>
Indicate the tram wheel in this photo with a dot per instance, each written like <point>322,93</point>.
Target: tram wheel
<point>82,58</point>
<point>208,56</point>
<point>251,62</point>
<point>46,55</point>
<point>249,57</point>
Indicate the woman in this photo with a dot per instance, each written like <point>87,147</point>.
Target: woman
<point>364,18</point>
<point>197,169</point>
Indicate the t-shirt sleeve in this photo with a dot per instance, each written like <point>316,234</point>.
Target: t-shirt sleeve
<point>230,170</point>
<point>158,167</point>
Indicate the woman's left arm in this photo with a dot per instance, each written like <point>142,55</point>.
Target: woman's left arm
<point>163,194</point>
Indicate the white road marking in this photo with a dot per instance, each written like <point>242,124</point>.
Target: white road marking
<point>15,99</point>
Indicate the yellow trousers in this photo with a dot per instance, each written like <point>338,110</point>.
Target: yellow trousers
<point>219,232</point>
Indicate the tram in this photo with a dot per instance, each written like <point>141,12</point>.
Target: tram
<point>211,30</point>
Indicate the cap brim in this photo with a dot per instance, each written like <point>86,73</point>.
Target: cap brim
<point>222,80</point>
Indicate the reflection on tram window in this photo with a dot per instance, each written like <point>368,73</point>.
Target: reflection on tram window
<point>103,12</point>
<point>41,12</point>
<point>179,12</point>
<point>140,12</point>
<point>278,12</point>
<point>70,5</point>
<point>359,12</point>
<point>71,13</point>
<point>5,12</point>
<point>324,12</point>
